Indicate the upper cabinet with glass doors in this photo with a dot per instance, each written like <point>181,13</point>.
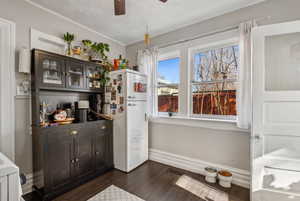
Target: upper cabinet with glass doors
<point>58,72</point>
<point>51,71</point>
<point>75,75</point>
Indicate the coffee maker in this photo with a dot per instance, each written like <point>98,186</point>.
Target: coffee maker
<point>81,111</point>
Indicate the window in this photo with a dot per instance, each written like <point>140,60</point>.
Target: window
<point>199,79</point>
<point>214,82</point>
<point>167,85</point>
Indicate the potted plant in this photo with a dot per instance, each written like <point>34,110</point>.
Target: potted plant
<point>99,52</point>
<point>104,77</point>
<point>69,38</point>
<point>86,49</point>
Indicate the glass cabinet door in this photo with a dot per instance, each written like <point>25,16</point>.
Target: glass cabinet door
<point>52,72</point>
<point>75,75</point>
<point>93,75</point>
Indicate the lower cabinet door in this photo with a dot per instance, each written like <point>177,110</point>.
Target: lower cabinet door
<point>103,146</point>
<point>83,151</point>
<point>60,155</point>
<point>100,148</point>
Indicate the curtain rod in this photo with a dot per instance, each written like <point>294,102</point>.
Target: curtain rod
<point>236,27</point>
<point>200,36</point>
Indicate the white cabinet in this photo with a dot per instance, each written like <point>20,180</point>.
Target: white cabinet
<point>10,187</point>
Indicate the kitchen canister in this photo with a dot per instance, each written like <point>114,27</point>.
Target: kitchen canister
<point>211,175</point>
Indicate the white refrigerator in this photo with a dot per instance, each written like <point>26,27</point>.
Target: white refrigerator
<point>126,100</point>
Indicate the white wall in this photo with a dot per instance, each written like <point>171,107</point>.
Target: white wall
<point>227,148</point>
<point>230,148</point>
<point>26,16</point>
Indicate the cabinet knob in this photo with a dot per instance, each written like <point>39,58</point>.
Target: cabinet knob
<point>74,132</point>
<point>76,160</point>
<point>103,127</point>
<point>97,152</point>
<point>72,161</point>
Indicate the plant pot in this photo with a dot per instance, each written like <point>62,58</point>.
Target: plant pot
<point>69,51</point>
<point>225,178</point>
<point>211,175</point>
<point>95,57</point>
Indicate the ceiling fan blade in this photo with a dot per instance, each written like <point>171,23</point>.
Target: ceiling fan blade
<point>164,1</point>
<point>120,7</point>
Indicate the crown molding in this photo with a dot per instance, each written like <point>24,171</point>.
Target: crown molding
<point>74,22</point>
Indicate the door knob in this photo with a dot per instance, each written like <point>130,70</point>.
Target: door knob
<point>74,132</point>
<point>257,137</point>
<point>131,104</point>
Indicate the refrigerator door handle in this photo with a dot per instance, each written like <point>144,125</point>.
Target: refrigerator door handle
<point>131,104</point>
<point>146,117</point>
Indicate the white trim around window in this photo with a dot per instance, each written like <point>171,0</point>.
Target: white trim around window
<point>186,51</point>
<point>166,56</point>
<point>198,49</point>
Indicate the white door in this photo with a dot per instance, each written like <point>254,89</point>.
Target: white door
<point>276,113</point>
<point>137,133</point>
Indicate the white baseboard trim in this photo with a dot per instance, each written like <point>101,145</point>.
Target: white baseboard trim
<point>27,188</point>
<point>240,177</point>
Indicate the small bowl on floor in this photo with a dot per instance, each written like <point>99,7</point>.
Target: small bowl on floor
<point>225,178</point>
<point>211,175</point>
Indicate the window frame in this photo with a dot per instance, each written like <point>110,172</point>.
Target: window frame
<point>192,52</point>
<point>184,51</point>
<point>162,57</point>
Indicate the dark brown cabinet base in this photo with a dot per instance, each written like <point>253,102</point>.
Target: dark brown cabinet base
<point>67,156</point>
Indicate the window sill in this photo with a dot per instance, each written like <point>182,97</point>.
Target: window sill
<point>216,124</point>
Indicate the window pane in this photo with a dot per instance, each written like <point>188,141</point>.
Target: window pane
<point>217,64</point>
<point>168,71</point>
<point>168,98</point>
<point>167,81</point>
<point>210,99</point>
<point>215,82</point>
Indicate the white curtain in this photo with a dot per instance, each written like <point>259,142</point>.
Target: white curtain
<point>244,103</point>
<point>147,62</point>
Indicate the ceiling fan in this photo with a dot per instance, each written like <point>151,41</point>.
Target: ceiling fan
<point>120,6</point>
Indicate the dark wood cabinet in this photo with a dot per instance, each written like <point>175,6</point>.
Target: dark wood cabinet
<point>70,155</point>
<point>65,156</point>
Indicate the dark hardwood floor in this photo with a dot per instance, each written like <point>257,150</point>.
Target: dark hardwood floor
<point>152,182</point>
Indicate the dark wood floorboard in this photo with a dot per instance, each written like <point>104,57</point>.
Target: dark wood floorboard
<point>152,182</point>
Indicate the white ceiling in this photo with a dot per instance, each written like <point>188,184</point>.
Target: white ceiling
<point>160,17</point>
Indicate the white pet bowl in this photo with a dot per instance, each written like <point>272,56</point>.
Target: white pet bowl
<point>225,179</point>
<point>210,175</point>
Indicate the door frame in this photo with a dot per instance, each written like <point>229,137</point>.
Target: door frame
<point>7,87</point>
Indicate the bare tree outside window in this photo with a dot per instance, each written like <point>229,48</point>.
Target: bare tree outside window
<point>215,82</point>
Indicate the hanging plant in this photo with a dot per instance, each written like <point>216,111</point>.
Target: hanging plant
<point>69,38</point>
